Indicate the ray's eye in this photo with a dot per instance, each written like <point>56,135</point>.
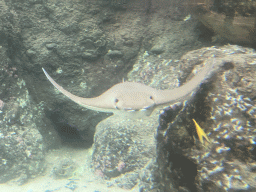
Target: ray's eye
<point>116,100</point>
<point>150,97</point>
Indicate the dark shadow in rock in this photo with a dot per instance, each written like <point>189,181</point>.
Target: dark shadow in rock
<point>69,134</point>
<point>184,170</point>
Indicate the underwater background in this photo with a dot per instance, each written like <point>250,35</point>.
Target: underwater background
<point>202,143</point>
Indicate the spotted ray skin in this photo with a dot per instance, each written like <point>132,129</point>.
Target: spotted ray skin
<point>135,99</point>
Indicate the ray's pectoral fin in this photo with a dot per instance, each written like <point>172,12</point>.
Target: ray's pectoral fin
<point>135,98</point>
<point>100,103</point>
<point>180,93</point>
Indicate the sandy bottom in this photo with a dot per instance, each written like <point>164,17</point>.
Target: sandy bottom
<point>83,181</point>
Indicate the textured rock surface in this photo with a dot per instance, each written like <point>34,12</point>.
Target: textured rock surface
<point>226,109</point>
<point>65,168</point>
<point>124,152</point>
<point>21,145</point>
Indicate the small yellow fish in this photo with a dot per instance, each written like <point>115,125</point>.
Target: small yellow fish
<point>200,132</point>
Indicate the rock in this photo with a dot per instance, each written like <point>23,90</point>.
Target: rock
<point>64,169</point>
<point>90,54</point>
<point>128,43</point>
<point>157,49</point>
<point>130,142</point>
<point>51,46</point>
<point>226,111</point>
<point>114,53</point>
<point>31,53</point>
<point>88,44</point>
<point>231,20</point>
<point>22,148</point>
